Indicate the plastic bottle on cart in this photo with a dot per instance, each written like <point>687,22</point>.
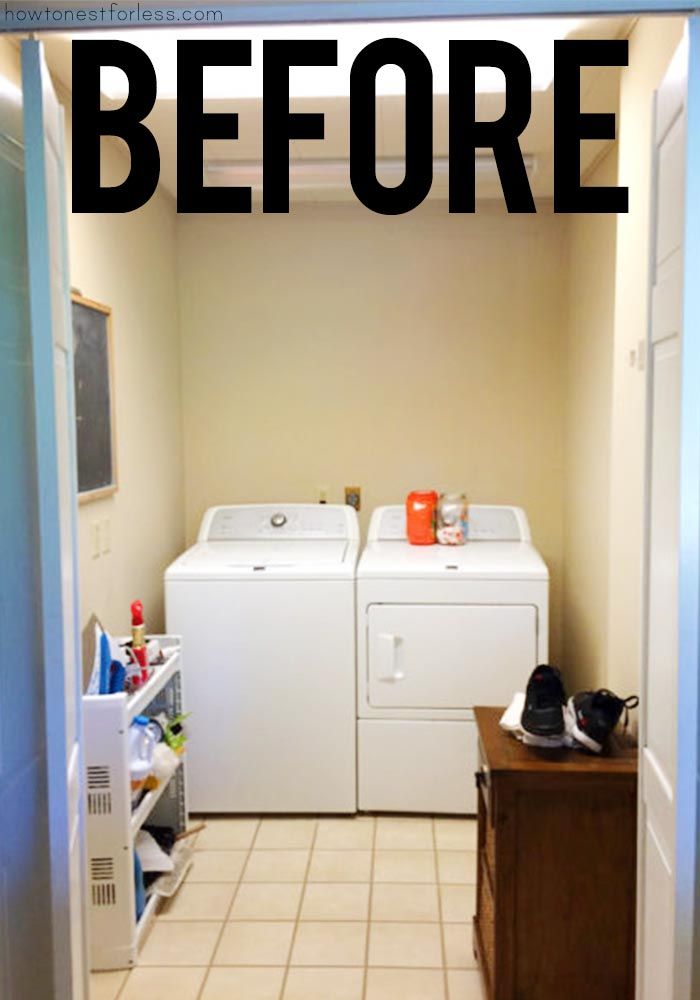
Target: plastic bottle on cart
<point>421,506</point>
<point>142,742</point>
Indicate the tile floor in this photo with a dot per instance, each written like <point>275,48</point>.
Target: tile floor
<point>361,908</point>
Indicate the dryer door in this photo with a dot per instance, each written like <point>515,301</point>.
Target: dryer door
<point>449,655</point>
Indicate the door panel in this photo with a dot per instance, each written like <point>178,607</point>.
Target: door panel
<point>660,672</point>
<point>669,214</point>
<point>662,638</point>
<point>52,368</point>
<point>482,654</point>
<point>26,959</point>
<point>657,957</point>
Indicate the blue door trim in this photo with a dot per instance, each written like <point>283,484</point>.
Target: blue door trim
<point>50,615</point>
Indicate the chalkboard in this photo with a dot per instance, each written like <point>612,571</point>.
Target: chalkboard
<point>94,399</point>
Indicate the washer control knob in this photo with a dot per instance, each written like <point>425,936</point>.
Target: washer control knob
<point>278,520</point>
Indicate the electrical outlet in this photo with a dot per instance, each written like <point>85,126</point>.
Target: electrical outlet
<point>105,536</point>
<point>353,496</point>
<point>95,539</point>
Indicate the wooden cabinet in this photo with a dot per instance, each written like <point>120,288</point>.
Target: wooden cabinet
<point>555,915</point>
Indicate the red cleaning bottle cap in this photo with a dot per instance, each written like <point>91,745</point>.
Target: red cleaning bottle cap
<point>136,613</point>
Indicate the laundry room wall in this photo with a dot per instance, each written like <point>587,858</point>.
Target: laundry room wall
<point>590,331</point>
<point>335,347</point>
<point>128,262</point>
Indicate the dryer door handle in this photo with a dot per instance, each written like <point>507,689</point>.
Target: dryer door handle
<point>387,669</point>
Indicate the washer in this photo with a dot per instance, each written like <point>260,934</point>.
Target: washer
<point>265,605</point>
<point>441,629</point>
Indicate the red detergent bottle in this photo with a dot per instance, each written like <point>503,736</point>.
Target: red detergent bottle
<point>421,506</point>
<point>138,640</point>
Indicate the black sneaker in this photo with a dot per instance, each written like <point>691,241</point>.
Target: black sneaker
<point>592,715</point>
<point>543,714</point>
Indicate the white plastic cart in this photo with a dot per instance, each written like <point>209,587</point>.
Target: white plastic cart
<point>112,824</point>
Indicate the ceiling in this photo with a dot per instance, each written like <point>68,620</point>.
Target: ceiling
<point>599,92</point>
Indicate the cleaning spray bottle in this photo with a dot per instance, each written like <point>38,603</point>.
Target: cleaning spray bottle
<point>138,640</point>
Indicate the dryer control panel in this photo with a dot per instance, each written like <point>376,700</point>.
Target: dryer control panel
<point>487,523</point>
<point>278,522</point>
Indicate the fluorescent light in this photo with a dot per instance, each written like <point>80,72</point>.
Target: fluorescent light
<point>534,36</point>
<point>334,175</point>
<point>10,90</point>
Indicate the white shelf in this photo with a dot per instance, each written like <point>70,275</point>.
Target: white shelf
<point>182,856</point>
<point>115,935</point>
<point>146,920</point>
<point>155,683</point>
<point>149,802</point>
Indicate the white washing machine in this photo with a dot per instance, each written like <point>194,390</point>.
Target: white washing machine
<point>265,605</point>
<point>441,629</point>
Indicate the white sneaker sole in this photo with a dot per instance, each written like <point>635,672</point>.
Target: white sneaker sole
<point>544,741</point>
<point>578,734</point>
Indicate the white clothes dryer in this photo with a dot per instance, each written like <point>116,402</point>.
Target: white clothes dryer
<point>441,629</point>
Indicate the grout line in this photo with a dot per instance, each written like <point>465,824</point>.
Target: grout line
<point>302,896</point>
<point>365,972</point>
<point>442,928</point>
<point>121,989</point>
<point>305,882</point>
<point>228,912</point>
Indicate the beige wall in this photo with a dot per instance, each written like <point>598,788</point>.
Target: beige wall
<point>588,380</point>
<point>606,391</point>
<point>336,347</point>
<point>651,46</point>
<point>128,262</point>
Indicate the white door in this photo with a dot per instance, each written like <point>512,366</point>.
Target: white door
<point>481,656</point>
<point>668,762</point>
<point>52,364</point>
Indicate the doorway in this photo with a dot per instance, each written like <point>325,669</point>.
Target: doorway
<point>96,565</point>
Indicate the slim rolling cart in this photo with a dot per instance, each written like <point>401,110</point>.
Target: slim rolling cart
<point>112,823</point>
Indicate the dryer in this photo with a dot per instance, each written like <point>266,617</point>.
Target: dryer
<point>441,629</point>
<point>265,605</point>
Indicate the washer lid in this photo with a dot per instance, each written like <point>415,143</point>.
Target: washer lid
<point>473,561</point>
<point>263,559</point>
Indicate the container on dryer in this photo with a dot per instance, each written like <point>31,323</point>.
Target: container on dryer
<point>452,519</point>
<point>421,506</point>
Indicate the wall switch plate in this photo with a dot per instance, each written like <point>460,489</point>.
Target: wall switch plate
<point>353,496</point>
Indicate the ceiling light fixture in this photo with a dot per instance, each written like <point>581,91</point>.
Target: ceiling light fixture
<point>334,175</point>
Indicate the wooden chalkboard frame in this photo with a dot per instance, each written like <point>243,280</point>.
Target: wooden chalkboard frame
<point>86,496</point>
